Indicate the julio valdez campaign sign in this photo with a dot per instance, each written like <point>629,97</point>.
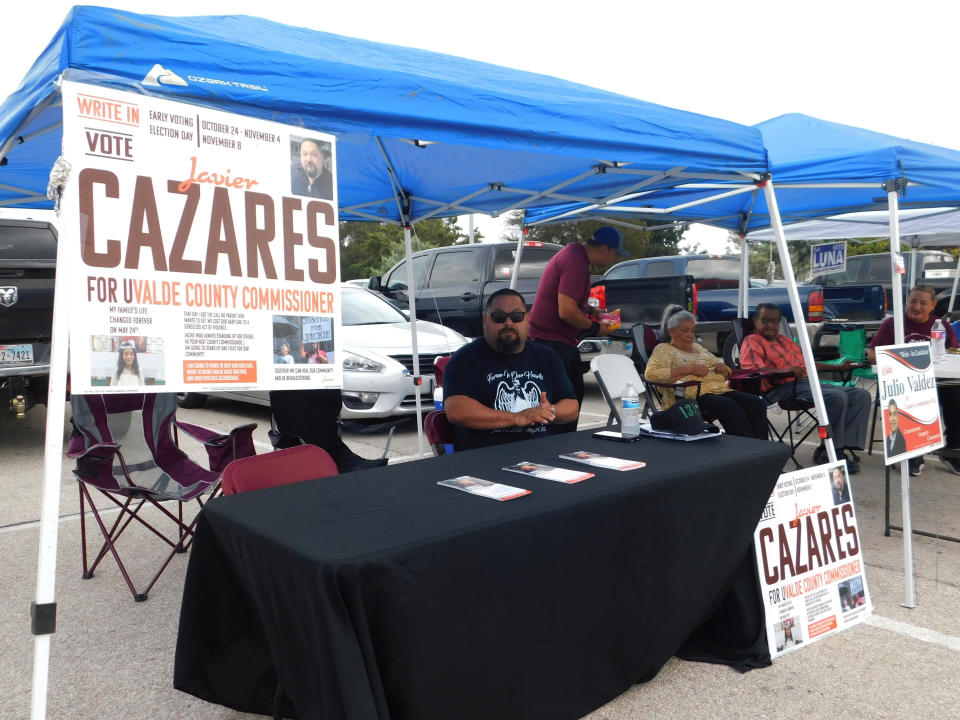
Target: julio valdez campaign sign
<point>201,246</point>
<point>828,258</point>
<point>809,558</point>
<point>908,398</point>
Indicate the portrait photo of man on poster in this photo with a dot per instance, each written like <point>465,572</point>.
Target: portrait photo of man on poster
<point>311,173</point>
<point>895,443</point>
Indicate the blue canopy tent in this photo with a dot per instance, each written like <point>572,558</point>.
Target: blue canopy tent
<point>419,135</point>
<point>821,169</point>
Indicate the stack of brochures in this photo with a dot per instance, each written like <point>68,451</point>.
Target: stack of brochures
<point>548,472</point>
<point>485,488</point>
<point>604,461</point>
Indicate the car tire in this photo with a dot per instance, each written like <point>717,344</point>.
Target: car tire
<point>189,400</point>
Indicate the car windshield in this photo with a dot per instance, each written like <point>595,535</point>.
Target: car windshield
<point>361,307</point>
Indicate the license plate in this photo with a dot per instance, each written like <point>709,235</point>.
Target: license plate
<point>10,354</point>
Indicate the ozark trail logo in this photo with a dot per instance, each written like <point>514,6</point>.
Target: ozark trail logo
<point>159,75</point>
<point>8,296</point>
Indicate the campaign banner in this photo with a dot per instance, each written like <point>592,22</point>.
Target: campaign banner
<point>809,558</point>
<point>203,248</point>
<point>908,399</point>
<point>828,258</point>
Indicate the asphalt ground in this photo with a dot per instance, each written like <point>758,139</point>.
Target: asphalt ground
<point>111,657</point>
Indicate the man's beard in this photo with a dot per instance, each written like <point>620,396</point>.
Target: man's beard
<point>311,171</point>
<point>509,344</point>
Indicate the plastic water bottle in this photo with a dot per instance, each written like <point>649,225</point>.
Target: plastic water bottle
<point>938,340</point>
<point>630,410</point>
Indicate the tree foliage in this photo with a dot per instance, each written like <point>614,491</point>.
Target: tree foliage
<point>368,248</point>
<point>639,241</point>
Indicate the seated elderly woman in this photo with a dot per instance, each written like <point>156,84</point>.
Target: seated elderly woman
<point>681,359</point>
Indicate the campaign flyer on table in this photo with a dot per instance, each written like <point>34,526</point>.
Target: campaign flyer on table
<point>908,399</point>
<point>809,558</point>
<point>201,246</point>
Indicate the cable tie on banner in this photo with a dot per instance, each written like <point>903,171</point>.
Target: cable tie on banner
<point>59,175</point>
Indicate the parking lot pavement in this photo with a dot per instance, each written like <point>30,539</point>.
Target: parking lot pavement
<point>111,656</point>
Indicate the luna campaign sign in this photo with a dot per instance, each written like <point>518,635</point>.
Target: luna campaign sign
<point>828,258</point>
<point>809,558</point>
<point>908,399</point>
<point>202,248</point>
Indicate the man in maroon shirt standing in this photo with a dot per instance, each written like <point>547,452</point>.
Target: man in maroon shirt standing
<point>560,309</point>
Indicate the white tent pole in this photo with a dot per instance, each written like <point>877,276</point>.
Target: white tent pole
<point>50,503</point>
<point>470,228</point>
<point>516,262</point>
<point>787,267</point>
<point>412,301</point>
<point>743,296</point>
<point>909,592</point>
<point>913,265</point>
<point>953,292</point>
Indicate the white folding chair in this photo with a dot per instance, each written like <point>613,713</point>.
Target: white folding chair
<point>613,372</point>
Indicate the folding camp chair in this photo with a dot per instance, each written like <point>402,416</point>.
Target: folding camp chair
<point>282,467</point>
<point>852,344</point>
<point>613,372</point>
<point>645,339</point>
<point>439,431</point>
<point>126,448</point>
<point>799,412</point>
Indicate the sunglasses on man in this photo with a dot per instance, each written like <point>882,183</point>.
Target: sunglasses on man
<point>499,316</point>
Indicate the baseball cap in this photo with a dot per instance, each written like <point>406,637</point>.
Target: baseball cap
<point>611,237</point>
<point>683,418</point>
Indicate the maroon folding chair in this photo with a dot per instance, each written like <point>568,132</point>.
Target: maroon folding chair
<point>439,365</point>
<point>126,447</point>
<point>281,467</point>
<point>439,431</point>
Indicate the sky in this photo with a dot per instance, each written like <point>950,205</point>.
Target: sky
<point>886,66</point>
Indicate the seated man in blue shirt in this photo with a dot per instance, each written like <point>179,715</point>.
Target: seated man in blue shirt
<point>501,388</point>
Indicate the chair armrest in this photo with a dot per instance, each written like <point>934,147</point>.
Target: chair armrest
<point>750,381</point>
<point>95,464</point>
<point>675,385</point>
<point>111,448</point>
<point>221,449</point>
<point>687,383</point>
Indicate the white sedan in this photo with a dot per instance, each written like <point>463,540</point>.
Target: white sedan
<point>377,359</point>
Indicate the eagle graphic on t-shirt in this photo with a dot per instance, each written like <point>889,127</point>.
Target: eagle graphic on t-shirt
<point>513,397</point>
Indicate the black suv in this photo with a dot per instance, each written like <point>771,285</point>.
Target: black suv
<point>28,261</point>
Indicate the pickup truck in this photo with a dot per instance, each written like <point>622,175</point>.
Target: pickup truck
<point>935,268</point>
<point>453,283</point>
<point>716,281</point>
<point>28,260</point>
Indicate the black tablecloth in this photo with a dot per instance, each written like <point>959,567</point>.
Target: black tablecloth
<point>380,594</point>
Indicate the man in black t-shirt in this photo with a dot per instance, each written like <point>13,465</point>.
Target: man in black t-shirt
<point>500,388</point>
